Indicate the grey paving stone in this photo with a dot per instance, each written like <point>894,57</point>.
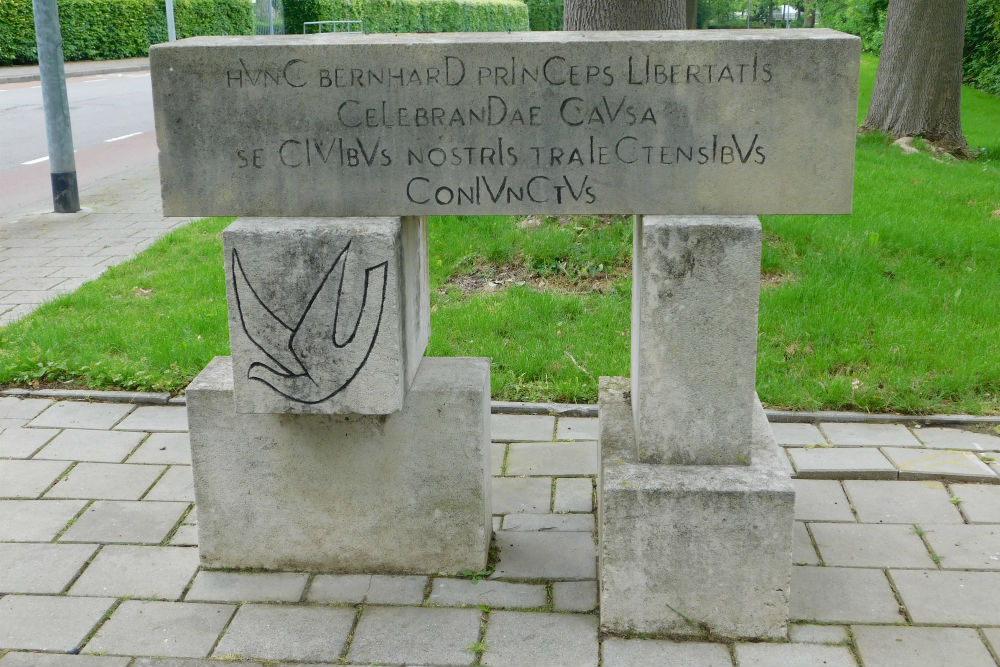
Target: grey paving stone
<point>156,418</point>
<point>497,452</point>
<point>415,635</point>
<point>28,479</point>
<point>980,502</point>
<point>20,443</point>
<point>663,653</point>
<point>552,458</point>
<point>171,629</point>
<point>501,594</point>
<point>80,414</point>
<point>107,481</point>
<point>75,444</point>
<point>574,494</point>
<point>817,634</point>
<point>870,545</point>
<point>138,572</point>
<point>797,434</point>
<point>993,638</point>
<point>169,448</point>
<point>546,555</point>
<point>956,438</point>
<point>843,463</point>
<point>821,500</point>
<point>960,598</point>
<point>576,428</point>
<point>574,595</point>
<point>945,465</point>
<point>515,639</point>
<point>176,484</point>
<point>247,587</point>
<point>370,588</point>
<point>889,646</point>
<point>803,552</point>
<point>48,623</point>
<point>22,408</point>
<point>842,595</point>
<point>25,659</point>
<point>145,522</point>
<point>563,522</point>
<point>35,520</point>
<point>793,655</point>
<point>901,502</point>
<point>282,632</point>
<point>186,536</point>
<point>965,547</point>
<point>193,662</point>
<point>520,494</point>
<point>869,435</point>
<point>519,428</point>
<point>40,568</point>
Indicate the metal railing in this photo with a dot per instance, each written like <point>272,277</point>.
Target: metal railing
<point>335,26</point>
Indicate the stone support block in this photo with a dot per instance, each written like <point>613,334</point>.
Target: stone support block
<point>326,315</point>
<point>691,550</point>
<point>695,288</point>
<point>405,493</point>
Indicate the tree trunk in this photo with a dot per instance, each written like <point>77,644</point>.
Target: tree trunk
<point>692,14</point>
<point>625,14</point>
<point>918,88</point>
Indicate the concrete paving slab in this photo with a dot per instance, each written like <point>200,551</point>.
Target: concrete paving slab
<point>574,596</point>
<point>803,552</point>
<point>663,653</point>
<point>156,418</point>
<point>520,494</point>
<point>22,408</point>
<point>35,520</point>
<point>164,448</point>
<point>113,521</point>
<point>821,500</point>
<point>574,494</point>
<point>868,435</point>
<point>901,502</point>
<point>107,481</point>
<point>843,463</point>
<point>28,479</point>
<point>809,633</point>
<point>283,632</point>
<point>552,458</point>
<point>993,638</point>
<point>496,594</point>
<point>980,502</point>
<point>27,659</point>
<point>176,484</point>
<point>891,646</point>
<point>520,428</point>
<point>960,598</point>
<point>370,588</point>
<point>842,595</point>
<point>20,443</point>
<point>870,545</point>
<point>965,547</point>
<point>48,623</point>
<point>415,635</point>
<point>515,639</point>
<point>89,445</point>
<point>185,536</point>
<point>138,572</point>
<point>576,428</point>
<point>800,434</point>
<point>40,568</point>
<point>944,465</point>
<point>569,556</point>
<point>545,522</point>
<point>171,629</point>
<point>956,438</point>
<point>498,451</point>
<point>79,414</point>
<point>794,655</point>
<point>212,586</point>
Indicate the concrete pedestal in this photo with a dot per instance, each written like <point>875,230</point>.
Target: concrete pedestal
<point>403,493</point>
<point>691,550</point>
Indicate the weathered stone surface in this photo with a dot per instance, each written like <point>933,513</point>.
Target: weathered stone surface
<point>695,286</point>
<point>717,533</point>
<point>326,315</point>
<point>681,121</point>
<point>404,493</point>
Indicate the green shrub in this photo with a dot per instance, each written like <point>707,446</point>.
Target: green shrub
<point>17,32</point>
<point>981,61</point>
<point>412,15</point>
<point>545,14</point>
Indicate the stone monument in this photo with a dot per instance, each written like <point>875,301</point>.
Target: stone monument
<point>329,442</point>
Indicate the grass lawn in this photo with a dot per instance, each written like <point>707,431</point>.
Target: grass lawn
<point>893,308</point>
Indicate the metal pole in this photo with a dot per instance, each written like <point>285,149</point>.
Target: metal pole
<point>748,14</point>
<point>171,28</point>
<point>58,132</point>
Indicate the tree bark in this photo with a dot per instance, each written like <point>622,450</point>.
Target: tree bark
<point>918,87</point>
<point>625,14</point>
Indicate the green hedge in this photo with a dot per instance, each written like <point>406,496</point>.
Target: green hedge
<point>106,29</point>
<point>981,62</point>
<point>545,14</point>
<point>411,15</point>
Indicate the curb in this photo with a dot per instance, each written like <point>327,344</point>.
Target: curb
<point>96,70</point>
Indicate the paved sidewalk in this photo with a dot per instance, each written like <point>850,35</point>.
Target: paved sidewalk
<point>897,551</point>
<point>20,73</point>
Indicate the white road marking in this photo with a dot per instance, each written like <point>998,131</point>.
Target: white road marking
<point>37,160</point>
<point>124,136</point>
